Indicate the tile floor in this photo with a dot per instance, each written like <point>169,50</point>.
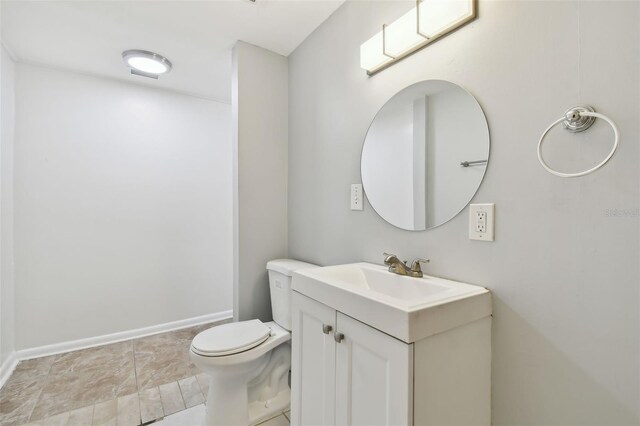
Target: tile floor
<point>126,383</point>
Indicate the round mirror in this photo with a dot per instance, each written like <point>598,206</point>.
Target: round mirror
<point>425,155</point>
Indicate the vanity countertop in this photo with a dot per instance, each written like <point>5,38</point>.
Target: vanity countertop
<point>407,308</point>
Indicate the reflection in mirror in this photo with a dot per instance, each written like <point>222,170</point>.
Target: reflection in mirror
<point>425,155</point>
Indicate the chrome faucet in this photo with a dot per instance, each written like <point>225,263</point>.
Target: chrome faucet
<point>401,268</point>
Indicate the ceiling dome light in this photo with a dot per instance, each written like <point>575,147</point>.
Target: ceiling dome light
<point>145,63</point>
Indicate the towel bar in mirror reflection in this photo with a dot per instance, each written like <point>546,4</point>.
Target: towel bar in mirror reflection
<point>473,163</point>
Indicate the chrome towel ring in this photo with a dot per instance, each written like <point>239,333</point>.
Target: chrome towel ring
<point>579,119</point>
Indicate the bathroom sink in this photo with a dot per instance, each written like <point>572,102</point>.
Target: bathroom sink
<point>407,308</point>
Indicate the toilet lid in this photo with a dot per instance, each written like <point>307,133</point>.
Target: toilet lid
<point>229,339</point>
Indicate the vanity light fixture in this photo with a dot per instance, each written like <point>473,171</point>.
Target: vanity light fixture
<point>428,21</point>
<point>145,63</point>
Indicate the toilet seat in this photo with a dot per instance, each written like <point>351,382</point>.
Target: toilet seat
<point>278,336</point>
<point>229,339</point>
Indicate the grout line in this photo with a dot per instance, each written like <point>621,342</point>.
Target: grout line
<point>161,406</point>
<point>184,401</point>
<point>93,412</point>
<point>37,400</point>
<point>55,358</point>
<point>139,408</point>
<point>45,382</point>
<point>204,397</point>
<point>195,379</point>
<point>164,414</point>
<point>135,367</point>
<point>201,388</point>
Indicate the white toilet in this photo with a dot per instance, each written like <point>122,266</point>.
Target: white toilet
<point>248,362</point>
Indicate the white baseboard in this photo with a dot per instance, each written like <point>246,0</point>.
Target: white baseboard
<point>7,368</point>
<point>106,339</point>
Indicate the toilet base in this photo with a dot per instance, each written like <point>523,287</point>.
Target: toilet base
<point>260,411</point>
<point>226,405</point>
<point>229,407</point>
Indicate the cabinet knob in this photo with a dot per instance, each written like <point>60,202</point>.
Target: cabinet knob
<point>326,329</point>
<point>339,337</point>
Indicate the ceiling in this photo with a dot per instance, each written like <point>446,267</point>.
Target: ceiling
<point>197,36</point>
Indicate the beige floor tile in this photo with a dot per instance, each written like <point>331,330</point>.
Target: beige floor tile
<point>17,400</point>
<point>58,420</point>
<point>32,368</point>
<point>160,362</point>
<point>191,393</point>
<point>172,401</point>
<point>129,410</point>
<point>287,414</point>
<point>204,380</point>
<point>106,357</point>
<point>81,416</point>
<point>82,378</point>
<point>66,392</point>
<point>105,413</point>
<point>150,405</point>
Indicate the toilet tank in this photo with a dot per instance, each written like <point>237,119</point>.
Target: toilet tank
<point>280,271</point>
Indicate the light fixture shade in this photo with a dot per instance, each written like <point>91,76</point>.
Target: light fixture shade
<point>436,16</point>
<point>146,62</point>
<point>423,24</point>
<point>371,54</point>
<point>402,34</point>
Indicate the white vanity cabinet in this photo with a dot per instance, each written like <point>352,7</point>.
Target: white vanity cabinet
<point>374,377</point>
<point>345,372</point>
<point>313,355</point>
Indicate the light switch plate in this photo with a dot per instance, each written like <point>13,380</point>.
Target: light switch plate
<point>481,222</point>
<point>356,196</point>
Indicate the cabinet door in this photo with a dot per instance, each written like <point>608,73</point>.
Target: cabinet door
<point>312,362</point>
<point>374,377</point>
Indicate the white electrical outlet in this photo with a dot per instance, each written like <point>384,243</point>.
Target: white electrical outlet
<point>481,221</point>
<point>356,196</point>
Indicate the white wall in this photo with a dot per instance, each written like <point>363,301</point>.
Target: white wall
<point>564,268</point>
<point>259,101</point>
<point>123,206</point>
<point>7,285</point>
